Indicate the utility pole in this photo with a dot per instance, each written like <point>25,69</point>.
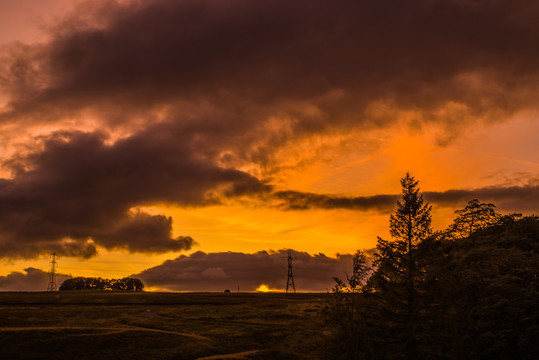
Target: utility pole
<point>290,275</point>
<point>52,273</point>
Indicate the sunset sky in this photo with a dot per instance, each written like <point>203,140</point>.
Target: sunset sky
<point>195,140</point>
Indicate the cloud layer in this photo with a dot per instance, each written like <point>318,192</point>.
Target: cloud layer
<point>188,102</point>
<point>227,270</point>
<point>31,280</point>
<point>352,62</point>
<point>76,192</point>
<point>507,198</point>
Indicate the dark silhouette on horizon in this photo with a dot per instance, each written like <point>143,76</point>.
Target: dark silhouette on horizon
<point>468,292</point>
<point>89,283</point>
<point>290,278</point>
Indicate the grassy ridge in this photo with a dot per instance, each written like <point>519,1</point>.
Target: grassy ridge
<point>122,297</point>
<point>89,325</point>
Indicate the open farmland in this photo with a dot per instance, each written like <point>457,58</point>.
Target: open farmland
<point>114,325</point>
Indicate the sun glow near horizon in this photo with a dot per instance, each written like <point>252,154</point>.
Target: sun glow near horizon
<point>263,288</point>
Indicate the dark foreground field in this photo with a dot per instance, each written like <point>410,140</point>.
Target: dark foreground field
<point>107,325</point>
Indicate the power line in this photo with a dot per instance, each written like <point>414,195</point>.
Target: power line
<point>290,275</point>
<point>52,273</point>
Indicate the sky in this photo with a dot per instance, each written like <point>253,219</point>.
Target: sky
<point>192,142</point>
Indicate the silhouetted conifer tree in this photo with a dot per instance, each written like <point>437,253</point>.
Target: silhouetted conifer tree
<point>398,278</point>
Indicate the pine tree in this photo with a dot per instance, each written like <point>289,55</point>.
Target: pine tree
<point>397,280</point>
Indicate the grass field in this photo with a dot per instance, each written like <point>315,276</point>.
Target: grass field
<point>114,325</point>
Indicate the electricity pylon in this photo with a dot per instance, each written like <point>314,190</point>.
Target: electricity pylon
<point>52,273</point>
<point>290,275</point>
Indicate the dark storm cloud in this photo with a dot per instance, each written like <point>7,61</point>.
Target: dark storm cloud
<point>227,270</point>
<point>31,280</point>
<point>76,192</point>
<point>510,198</point>
<point>295,200</point>
<point>446,60</point>
<point>228,81</point>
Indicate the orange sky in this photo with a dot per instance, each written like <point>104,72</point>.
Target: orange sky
<point>245,133</point>
<point>250,228</point>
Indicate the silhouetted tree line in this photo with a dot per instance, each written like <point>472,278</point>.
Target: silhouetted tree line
<point>89,283</point>
<point>468,292</point>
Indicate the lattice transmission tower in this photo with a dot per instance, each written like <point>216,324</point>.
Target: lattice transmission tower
<point>290,274</point>
<point>52,273</point>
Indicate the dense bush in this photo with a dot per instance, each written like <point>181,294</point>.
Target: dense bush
<point>85,283</point>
